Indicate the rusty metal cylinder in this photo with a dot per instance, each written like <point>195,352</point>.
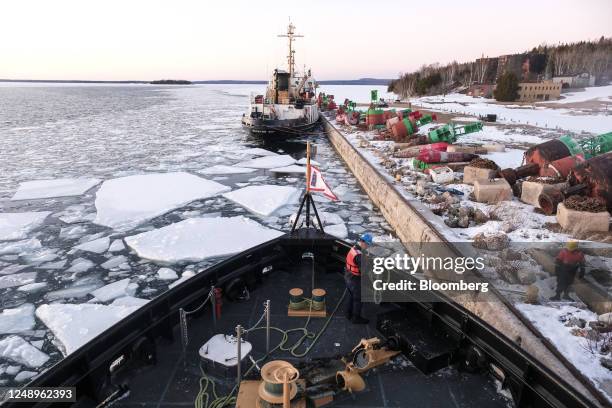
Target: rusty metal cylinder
<point>561,168</point>
<point>597,174</point>
<point>550,201</point>
<point>512,175</point>
<point>547,152</point>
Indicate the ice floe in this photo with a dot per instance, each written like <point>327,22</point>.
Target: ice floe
<point>54,265</point>
<point>258,151</point>
<point>17,350</point>
<point>129,301</point>
<point>116,246</point>
<point>337,230</point>
<point>114,262</point>
<point>112,290</point>
<point>74,325</point>
<point>293,169</point>
<point>24,375</point>
<point>14,226</point>
<point>11,269</point>
<point>265,199</point>
<point>268,162</point>
<point>224,169</point>
<point>97,246</point>
<point>76,291</point>
<point>17,279</point>
<point>125,202</point>
<point>20,247</point>
<point>54,188</point>
<point>303,162</point>
<point>166,274</point>
<point>18,319</point>
<point>196,239</point>
<point>80,265</point>
<point>33,287</point>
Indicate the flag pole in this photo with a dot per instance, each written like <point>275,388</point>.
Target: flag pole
<point>307,196</point>
<point>307,167</point>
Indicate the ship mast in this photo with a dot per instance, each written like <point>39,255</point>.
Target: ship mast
<point>291,35</point>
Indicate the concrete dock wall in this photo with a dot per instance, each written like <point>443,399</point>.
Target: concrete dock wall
<point>414,224</point>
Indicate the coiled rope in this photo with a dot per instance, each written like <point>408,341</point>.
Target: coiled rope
<point>203,399</point>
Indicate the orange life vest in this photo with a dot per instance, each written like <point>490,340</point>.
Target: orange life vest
<point>351,265</point>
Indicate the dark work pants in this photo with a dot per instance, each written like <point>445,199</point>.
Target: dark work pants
<point>565,279</point>
<point>353,295</point>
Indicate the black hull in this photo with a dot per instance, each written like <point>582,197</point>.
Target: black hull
<point>277,128</point>
<point>148,341</point>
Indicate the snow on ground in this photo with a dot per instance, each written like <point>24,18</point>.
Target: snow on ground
<point>97,246</point>
<point>54,188</point>
<point>125,202</point>
<point>15,349</point>
<point>18,319</point>
<point>574,348</point>
<point>509,158</point>
<point>268,162</point>
<point>264,200</point>
<point>497,134</point>
<point>225,169</point>
<point>292,169</point>
<point>74,325</point>
<point>14,226</point>
<point>539,116</point>
<point>599,93</point>
<point>197,239</point>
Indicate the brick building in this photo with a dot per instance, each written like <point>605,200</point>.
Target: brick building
<point>538,91</point>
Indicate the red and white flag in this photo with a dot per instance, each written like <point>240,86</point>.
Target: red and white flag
<point>317,184</point>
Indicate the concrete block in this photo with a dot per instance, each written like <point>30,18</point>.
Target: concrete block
<point>471,174</point>
<point>492,191</point>
<point>494,147</point>
<point>531,191</point>
<point>442,175</point>
<point>466,149</point>
<point>582,221</point>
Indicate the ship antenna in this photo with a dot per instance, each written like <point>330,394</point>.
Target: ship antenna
<point>291,35</point>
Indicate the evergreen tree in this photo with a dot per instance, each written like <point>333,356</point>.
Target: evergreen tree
<point>506,89</point>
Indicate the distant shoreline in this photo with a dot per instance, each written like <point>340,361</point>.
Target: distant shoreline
<point>362,81</point>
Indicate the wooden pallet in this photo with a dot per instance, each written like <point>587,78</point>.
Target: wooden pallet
<point>306,313</point>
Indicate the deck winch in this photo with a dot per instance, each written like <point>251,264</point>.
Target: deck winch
<point>314,383</point>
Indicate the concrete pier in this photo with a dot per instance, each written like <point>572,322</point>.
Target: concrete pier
<point>414,224</point>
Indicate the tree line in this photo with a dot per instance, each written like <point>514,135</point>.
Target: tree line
<point>543,62</point>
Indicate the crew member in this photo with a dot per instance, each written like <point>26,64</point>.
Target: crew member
<point>352,277</point>
<point>568,261</point>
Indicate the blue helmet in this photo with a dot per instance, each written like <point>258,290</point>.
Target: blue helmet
<point>367,238</point>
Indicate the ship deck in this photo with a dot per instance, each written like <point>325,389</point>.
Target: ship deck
<point>175,380</point>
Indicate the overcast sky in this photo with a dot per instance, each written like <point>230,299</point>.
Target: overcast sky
<point>228,39</point>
